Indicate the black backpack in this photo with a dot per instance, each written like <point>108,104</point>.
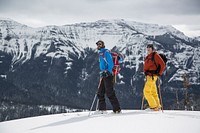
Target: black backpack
<point>164,58</point>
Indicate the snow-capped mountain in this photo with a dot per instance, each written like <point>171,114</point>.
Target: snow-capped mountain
<point>54,65</point>
<point>197,38</point>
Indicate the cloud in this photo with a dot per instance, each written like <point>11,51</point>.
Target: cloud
<point>170,6</point>
<point>60,12</point>
<point>189,30</point>
<point>82,6</point>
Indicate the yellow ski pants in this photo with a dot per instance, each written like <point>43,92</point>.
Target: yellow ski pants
<point>150,92</point>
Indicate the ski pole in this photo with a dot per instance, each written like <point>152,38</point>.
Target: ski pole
<point>114,78</point>
<point>92,104</point>
<point>142,106</point>
<point>95,97</point>
<point>97,104</point>
<point>160,94</point>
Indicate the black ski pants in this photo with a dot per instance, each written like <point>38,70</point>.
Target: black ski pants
<point>106,87</point>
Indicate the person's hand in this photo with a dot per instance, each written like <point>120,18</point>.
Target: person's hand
<point>101,73</point>
<point>105,74</point>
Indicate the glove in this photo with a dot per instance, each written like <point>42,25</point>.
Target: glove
<point>101,73</point>
<point>108,74</point>
<point>105,74</point>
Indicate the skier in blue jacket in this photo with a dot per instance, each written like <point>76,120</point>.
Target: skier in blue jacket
<point>106,83</point>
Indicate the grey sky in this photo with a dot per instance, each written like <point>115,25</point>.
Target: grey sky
<point>183,14</point>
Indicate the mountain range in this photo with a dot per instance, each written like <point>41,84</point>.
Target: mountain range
<point>49,69</point>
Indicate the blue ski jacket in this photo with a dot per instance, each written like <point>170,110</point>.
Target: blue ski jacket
<point>105,60</point>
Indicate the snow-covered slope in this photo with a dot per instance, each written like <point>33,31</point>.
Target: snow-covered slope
<point>130,121</point>
<point>24,42</point>
<point>86,34</point>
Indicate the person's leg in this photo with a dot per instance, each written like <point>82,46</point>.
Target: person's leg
<point>101,96</point>
<point>155,93</point>
<point>110,92</point>
<point>148,91</point>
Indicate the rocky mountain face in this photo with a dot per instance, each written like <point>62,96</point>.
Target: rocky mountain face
<point>49,69</point>
<point>197,38</point>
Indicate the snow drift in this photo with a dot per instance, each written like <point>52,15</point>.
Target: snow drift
<point>130,121</point>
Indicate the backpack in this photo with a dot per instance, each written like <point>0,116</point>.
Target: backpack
<point>164,58</point>
<point>116,61</point>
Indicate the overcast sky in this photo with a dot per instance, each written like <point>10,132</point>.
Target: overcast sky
<point>183,14</point>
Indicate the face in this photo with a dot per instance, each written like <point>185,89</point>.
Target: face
<point>149,50</point>
<point>99,45</point>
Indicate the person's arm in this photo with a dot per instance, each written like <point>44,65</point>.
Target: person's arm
<point>109,61</point>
